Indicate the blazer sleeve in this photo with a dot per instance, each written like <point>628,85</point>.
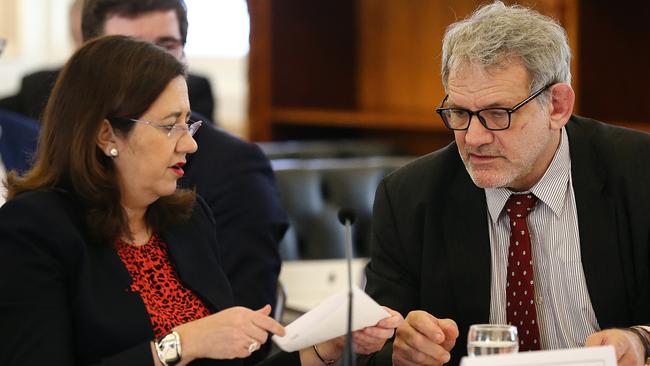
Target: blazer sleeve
<point>250,223</point>
<point>388,281</point>
<point>38,261</point>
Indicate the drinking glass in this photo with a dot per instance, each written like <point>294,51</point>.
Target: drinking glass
<point>490,339</point>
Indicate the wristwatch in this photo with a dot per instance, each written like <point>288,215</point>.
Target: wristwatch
<point>168,348</point>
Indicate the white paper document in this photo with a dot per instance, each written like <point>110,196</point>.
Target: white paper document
<point>329,320</point>
<point>588,356</point>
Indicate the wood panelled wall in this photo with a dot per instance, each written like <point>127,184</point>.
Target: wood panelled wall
<point>370,68</point>
<point>615,68</point>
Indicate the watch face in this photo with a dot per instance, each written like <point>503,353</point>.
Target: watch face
<point>169,349</point>
<point>170,352</point>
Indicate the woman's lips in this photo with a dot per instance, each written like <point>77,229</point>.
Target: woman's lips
<point>178,169</point>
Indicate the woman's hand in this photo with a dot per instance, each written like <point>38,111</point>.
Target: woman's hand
<point>372,339</point>
<point>366,340</point>
<point>232,333</point>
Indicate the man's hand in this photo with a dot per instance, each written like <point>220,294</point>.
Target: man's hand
<point>628,347</point>
<point>424,340</point>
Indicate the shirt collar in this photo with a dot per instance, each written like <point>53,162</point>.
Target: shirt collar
<point>551,189</point>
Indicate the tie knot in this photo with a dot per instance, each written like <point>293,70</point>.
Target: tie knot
<point>520,205</point>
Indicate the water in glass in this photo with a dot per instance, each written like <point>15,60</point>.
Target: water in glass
<point>490,339</point>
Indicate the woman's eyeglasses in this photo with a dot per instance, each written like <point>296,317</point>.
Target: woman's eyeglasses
<point>171,129</point>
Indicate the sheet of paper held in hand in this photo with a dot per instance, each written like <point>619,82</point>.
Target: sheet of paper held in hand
<point>588,356</point>
<point>329,320</point>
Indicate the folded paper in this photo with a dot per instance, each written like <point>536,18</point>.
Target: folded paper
<point>329,320</point>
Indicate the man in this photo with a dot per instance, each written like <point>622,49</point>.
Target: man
<point>233,176</point>
<point>533,217</point>
<point>35,87</point>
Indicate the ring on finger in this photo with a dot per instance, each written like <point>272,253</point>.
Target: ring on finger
<point>253,346</point>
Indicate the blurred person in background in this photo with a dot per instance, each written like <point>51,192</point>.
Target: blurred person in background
<point>35,87</point>
<point>18,135</point>
<point>102,258</point>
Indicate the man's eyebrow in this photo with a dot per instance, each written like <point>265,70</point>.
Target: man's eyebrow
<point>165,39</point>
<point>491,105</point>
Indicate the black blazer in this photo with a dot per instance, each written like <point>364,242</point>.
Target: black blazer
<point>35,89</point>
<point>431,247</point>
<point>65,300</point>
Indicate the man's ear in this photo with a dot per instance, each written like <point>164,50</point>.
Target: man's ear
<point>106,139</point>
<point>561,106</point>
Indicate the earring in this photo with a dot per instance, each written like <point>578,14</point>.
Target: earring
<point>113,152</point>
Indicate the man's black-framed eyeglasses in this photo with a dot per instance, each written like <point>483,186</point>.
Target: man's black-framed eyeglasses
<point>493,119</point>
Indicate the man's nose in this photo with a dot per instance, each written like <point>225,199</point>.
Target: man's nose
<point>477,134</point>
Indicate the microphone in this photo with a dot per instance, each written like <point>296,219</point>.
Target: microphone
<point>347,217</point>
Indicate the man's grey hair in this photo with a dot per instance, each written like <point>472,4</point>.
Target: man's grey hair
<point>497,34</point>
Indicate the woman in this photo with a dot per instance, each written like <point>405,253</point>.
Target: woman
<point>102,259</point>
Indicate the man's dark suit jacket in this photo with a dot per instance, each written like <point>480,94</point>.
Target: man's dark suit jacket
<point>431,247</point>
<point>35,90</point>
<point>18,138</point>
<point>65,300</point>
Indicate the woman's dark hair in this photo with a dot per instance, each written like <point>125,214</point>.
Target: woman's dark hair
<point>96,13</point>
<point>112,76</point>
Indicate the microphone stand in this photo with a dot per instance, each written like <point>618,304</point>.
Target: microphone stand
<point>346,217</point>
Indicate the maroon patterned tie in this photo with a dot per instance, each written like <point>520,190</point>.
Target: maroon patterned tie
<point>520,290</point>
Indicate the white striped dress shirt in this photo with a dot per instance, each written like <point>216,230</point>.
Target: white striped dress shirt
<point>564,311</point>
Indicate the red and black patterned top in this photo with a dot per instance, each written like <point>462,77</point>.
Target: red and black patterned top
<point>169,303</point>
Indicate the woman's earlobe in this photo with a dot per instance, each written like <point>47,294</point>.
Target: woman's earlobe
<point>106,139</point>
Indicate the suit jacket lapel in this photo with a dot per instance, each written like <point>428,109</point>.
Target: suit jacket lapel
<point>468,244</point>
<point>597,222</point>
<point>115,307</point>
<point>197,265</point>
